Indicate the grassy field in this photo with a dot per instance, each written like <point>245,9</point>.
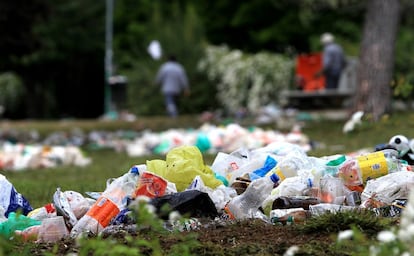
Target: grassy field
<point>38,186</point>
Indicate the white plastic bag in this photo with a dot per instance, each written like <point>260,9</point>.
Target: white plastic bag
<point>386,189</point>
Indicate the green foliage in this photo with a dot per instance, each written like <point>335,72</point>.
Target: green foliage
<point>246,80</point>
<point>403,85</point>
<point>179,31</point>
<point>360,245</point>
<point>149,228</point>
<point>14,247</point>
<point>11,90</point>
<point>366,221</point>
<point>99,246</point>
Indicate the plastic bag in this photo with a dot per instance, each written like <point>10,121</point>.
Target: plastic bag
<point>269,164</point>
<point>182,165</point>
<point>2,217</point>
<point>16,222</point>
<point>220,195</point>
<point>384,190</point>
<point>11,200</point>
<point>190,203</point>
<point>225,164</point>
<point>78,203</point>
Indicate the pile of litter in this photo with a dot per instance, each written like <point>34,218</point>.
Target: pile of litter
<point>278,183</point>
<point>21,151</point>
<point>213,139</point>
<point>17,157</point>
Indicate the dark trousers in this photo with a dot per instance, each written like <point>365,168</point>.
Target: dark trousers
<point>332,80</point>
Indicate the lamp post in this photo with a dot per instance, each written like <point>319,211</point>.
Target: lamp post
<point>108,54</point>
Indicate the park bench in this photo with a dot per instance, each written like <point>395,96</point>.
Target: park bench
<point>312,93</point>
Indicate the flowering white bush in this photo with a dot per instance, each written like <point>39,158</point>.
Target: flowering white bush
<point>406,231</point>
<point>246,80</point>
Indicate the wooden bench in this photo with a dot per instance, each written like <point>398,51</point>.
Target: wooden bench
<point>324,98</point>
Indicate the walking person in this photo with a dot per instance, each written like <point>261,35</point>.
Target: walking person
<point>173,80</point>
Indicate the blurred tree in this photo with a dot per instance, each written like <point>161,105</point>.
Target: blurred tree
<point>67,66</point>
<point>57,50</point>
<point>177,27</point>
<point>281,26</point>
<point>377,57</point>
<point>17,19</point>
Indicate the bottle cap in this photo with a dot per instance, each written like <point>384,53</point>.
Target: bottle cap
<point>138,168</point>
<point>337,161</point>
<point>274,178</point>
<point>134,169</point>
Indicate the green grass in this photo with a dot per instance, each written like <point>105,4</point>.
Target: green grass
<point>38,186</point>
<point>366,135</point>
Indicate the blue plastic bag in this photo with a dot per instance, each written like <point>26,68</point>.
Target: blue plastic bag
<point>269,164</point>
<point>11,200</point>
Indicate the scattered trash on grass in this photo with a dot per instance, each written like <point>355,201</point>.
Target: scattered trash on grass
<point>277,183</point>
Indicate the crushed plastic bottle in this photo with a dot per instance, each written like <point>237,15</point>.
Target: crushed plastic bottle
<point>109,204</point>
<point>246,205</point>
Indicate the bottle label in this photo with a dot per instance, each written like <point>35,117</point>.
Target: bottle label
<point>372,165</point>
<point>228,213</point>
<point>104,210</point>
<point>150,185</point>
<point>280,174</point>
<point>231,168</point>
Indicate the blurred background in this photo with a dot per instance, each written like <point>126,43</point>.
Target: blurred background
<point>81,59</point>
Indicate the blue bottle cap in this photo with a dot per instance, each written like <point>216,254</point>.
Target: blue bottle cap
<point>134,169</point>
<point>274,178</point>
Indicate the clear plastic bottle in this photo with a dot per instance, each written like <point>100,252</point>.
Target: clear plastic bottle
<point>290,165</point>
<point>246,204</point>
<point>109,204</point>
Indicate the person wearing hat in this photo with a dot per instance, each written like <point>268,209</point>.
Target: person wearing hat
<point>333,61</point>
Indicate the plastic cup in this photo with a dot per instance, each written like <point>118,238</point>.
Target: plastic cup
<point>52,229</point>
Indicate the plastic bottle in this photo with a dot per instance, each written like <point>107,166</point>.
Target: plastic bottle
<point>108,205</point>
<point>295,215</point>
<point>245,205</point>
<point>286,202</point>
<point>332,166</point>
<point>43,212</point>
<point>358,170</point>
<point>290,165</point>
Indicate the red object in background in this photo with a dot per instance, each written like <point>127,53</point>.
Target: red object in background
<point>307,65</point>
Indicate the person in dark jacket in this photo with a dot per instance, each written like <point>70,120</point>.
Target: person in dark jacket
<point>333,61</point>
<point>173,80</point>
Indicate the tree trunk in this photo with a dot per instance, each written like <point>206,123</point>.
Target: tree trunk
<point>377,57</point>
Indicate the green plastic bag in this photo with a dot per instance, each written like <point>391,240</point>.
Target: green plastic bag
<point>182,165</point>
<point>16,222</point>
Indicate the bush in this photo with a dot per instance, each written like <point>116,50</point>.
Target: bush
<point>246,81</point>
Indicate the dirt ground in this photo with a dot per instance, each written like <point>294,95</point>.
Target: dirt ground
<point>253,237</point>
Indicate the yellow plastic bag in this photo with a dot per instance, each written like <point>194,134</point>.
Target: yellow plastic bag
<point>182,165</point>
